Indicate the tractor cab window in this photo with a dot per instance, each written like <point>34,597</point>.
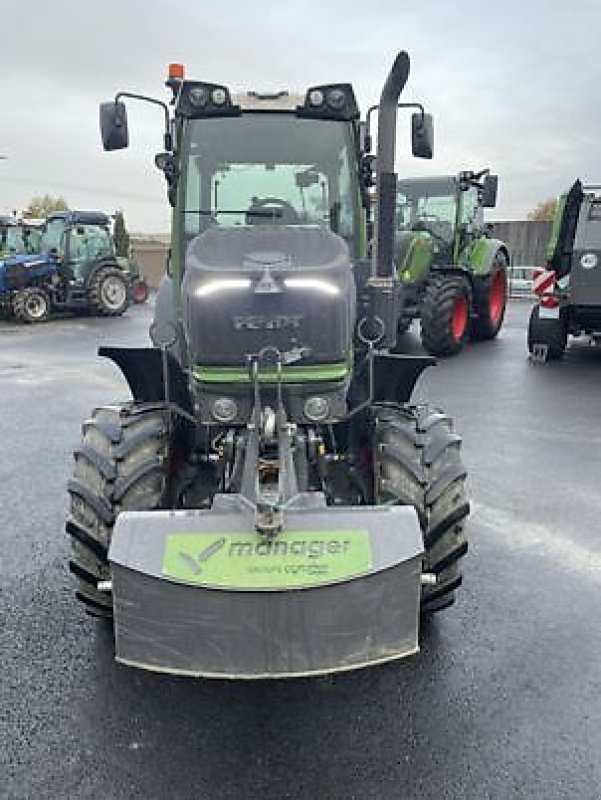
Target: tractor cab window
<point>52,235</point>
<point>89,242</point>
<point>270,169</point>
<point>11,240</point>
<point>594,213</point>
<point>32,239</point>
<point>429,205</point>
<point>470,206</point>
<point>86,244</point>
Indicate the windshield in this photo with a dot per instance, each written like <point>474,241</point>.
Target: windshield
<point>429,204</point>
<point>51,236</point>
<point>89,243</point>
<point>32,238</point>
<point>11,239</point>
<point>266,169</point>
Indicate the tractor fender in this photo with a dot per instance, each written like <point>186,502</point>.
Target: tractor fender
<point>142,368</point>
<point>98,265</point>
<point>414,253</point>
<point>481,255</point>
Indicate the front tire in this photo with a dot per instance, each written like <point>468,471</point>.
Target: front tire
<point>445,315</point>
<point>417,462</point>
<point>32,305</point>
<point>120,465</point>
<point>552,333</point>
<point>108,292</point>
<point>490,300</point>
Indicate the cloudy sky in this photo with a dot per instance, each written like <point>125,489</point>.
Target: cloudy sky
<point>512,85</point>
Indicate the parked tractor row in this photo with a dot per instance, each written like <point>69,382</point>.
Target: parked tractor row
<point>67,263</point>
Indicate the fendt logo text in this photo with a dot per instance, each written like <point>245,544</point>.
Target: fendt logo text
<point>262,323</point>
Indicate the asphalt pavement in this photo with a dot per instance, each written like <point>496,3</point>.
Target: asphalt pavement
<point>503,700</point>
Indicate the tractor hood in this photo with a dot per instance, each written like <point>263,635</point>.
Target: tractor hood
<point>17,272</point>
<point>289,288</point>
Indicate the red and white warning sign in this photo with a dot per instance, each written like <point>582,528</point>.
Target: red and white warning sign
<point>543,281</point>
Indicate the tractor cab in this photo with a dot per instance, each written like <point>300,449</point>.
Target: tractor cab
<point>279,162</point>
<point>271,221</point>
<point>446,210</point>
<point>79,240</point>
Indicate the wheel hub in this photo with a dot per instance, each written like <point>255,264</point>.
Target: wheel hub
<point>35,307</point>
<point>113,292</point>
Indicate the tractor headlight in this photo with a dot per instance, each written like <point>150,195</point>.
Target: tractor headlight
<point>336,99</point>
<point>316,97</point>
<point>198,96</point>
<point>219,96</point>
<point>317,284</point>
<point>316,408</point>
<point>221,285</point>
<point>196,100</point>
<point>224,409</point>
<point>330,101</point>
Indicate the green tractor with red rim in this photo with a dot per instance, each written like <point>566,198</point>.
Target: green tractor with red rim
<point>454,273</point>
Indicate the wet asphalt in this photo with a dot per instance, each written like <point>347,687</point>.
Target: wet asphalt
<point>502,702</point>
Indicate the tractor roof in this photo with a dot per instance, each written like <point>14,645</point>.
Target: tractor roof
<point>80,217</point>
<point>268,101</point>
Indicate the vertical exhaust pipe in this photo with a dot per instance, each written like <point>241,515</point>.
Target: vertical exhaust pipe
<point>383,255</point>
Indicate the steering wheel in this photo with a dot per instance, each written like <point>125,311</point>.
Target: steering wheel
<point>421,224</point>
<point>288,215</point>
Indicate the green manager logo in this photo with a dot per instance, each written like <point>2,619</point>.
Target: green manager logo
<point>297,559</point>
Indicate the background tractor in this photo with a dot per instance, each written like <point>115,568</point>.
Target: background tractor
<point>569,289</point>
<point>75,269</point>
<point>269,502</point>
<point>454,273</point>
<point>19,236</point>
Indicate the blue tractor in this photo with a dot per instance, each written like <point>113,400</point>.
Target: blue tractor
<point>76,269</point>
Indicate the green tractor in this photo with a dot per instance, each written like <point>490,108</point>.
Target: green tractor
<point>454,273</point>
<point>83,240</point>
<point>270,503</point>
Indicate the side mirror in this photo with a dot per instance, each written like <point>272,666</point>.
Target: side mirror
<point>113,125</point>
<point>489,191</point>
<point>422,135</point>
